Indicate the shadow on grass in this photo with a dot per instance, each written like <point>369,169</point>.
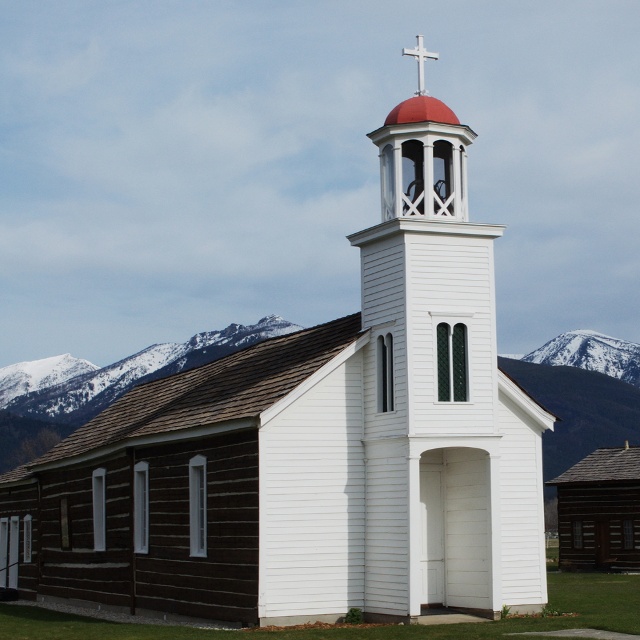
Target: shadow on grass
<point>39,614</point>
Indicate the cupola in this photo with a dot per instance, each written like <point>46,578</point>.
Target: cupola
<point>423,156</point>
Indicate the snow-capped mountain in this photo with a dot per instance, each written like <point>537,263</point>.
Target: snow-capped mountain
<point>592,351</point>
<point>25,377</point>
<point>77,399</point>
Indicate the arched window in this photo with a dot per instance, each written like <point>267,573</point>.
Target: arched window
<point>99,510</point>
<point>198,506</point>
<point>28,538</point>
<point>385,373</point>
<point>453,377</point>
<point>141,507</point>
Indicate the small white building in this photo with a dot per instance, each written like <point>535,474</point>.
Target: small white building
<point>380,461</point>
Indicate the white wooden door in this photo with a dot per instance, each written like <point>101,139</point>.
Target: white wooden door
<point>432,563</point>
<point>14,552</point>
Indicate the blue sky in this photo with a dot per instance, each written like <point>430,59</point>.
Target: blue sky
<point>170,167</point>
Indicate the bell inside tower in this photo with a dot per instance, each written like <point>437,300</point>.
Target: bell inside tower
<point>413,177</point>
<point>442,178</point>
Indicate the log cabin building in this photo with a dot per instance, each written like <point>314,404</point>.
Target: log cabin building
<point>378,461</point>
<point>599,511</point>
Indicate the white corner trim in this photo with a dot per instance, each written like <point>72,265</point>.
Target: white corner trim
<point>512,391</point>
<point>269,414</point>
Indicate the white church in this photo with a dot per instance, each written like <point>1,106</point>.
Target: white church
<point>389,465</point>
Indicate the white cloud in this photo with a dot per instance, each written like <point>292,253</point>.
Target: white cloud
<point>172,167</point>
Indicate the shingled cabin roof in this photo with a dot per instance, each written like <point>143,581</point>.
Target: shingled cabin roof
<point>239,386</point>
<point>15,475</point>
<point>611,464</point>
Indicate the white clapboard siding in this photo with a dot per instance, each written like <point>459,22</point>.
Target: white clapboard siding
<point>383,311</point>
<point>451,279</point>
<point>312,500</point>
<point>387,557</point>
<point>467,529</point>
<point>383,281</point>
<point>523,564</point>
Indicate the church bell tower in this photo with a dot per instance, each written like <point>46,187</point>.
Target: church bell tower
<point>436,424</point>
<point>428,276</point>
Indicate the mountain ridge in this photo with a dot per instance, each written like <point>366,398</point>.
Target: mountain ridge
<point>592,351</point>
<point>595,408</point>
<point>78,399</point>
<point>25,377</point>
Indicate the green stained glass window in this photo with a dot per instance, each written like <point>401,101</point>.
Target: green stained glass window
<point>453,374</point>
<point>459,361</point>
<point>444,358</point>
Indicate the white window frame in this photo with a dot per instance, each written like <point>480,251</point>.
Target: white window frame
<point>14,551</point>
<point>463,317</point>
<point>27,549</point>
<point>141,507</point>
<point>99,481</point>
<point>198,506</point>
<point>4,551</point>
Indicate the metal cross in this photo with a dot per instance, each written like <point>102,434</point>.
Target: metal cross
<point>420,54</point>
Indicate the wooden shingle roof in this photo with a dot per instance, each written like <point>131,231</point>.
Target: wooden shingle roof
<point>241,385</point>
<point>604,465</point>
<point>15,475</point>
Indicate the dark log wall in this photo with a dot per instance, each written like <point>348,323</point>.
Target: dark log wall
<point>22,500</point>
<point>75,570</point>
<point>602,511</point>
<point>224,585</point>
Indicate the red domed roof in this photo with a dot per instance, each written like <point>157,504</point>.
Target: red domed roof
<point>421,109</point>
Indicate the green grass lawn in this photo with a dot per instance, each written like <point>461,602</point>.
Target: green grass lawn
<point>601,601</point>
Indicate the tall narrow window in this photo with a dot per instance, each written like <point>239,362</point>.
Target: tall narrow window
<point>198,505</point>
<point>386,400</point>
<point>576,531</point>
<point>65,525</point>
<point>28,538</point>
<point>627,534</point>
<point>14,552</point>
<point>452,362</point>
<point>99,509</point>
<point>4,551</point>
<point>141,507</point>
